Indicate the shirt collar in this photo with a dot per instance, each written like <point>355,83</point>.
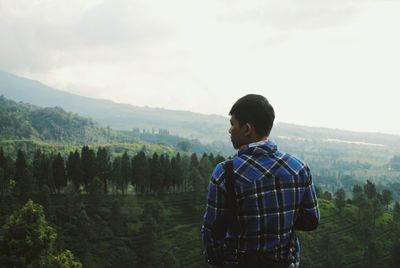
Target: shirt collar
<point>267,144</point>
<point>258,143</point>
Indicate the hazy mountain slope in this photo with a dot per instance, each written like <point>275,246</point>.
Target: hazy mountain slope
<point>337,135</point>
<point>208,128</point>
<point>115,115</point>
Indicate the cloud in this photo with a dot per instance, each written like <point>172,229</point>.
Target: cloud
<point>297,14</point>
<point>123,22</point>
<point>43,35</point>
<point>182,54</point>
<point>49,35</point>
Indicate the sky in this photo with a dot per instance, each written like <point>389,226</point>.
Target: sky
<point>328,63</point>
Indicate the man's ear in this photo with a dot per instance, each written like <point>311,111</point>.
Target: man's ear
<point>248,129</point>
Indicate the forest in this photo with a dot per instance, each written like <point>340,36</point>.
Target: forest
<point>92,209</point>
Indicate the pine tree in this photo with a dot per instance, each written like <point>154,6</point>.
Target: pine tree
<point>212,159</point>
<point>205,169</point>
<point>358,195</point>
<point>167,169</point>
<point>156,173</point>
<point>3,182</point>
<point>2,158</point>
<point>116,173</point>
<point>59,177</point>
<point>23,180</point>
<point>376,209</point>
<point>50,174</point>
<point>176,165</point>
<point>36,169</point>
<point>74,170</point>
<point>88,166</point>
<point>185,169</point>
<point>42,170</point>
<point>133,175</point>
<point>386,197</point>
<point>396,212</point>
<point>4,170</point>
<point>370,190</point>
<point>103,167</point>
<point>140,172</point>
<point>359,200</point>
<point>194,161</point>
<point>196,180</point>
<point>125,172</point>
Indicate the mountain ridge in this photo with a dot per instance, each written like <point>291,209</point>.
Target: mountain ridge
<point>119,116</point>
<point>207,128</point>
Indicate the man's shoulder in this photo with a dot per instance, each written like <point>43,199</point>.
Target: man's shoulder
<point>292,165</point>
<point>282,162</point>
<point>295,163</point>
<point>218,173</point>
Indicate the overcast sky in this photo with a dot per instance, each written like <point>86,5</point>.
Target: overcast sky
<point>332,63</point>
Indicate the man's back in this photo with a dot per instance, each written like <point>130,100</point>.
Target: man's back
<point>253,223</point>
<point>271,189</point>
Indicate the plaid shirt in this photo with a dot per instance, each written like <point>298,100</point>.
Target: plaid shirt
<point>272,189</point>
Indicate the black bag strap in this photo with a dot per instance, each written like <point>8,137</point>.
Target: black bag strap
<point>233,224</point>
<point>221,226</point>
<point>230,185</point>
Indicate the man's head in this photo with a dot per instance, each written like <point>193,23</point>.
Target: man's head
<point>252,117</point>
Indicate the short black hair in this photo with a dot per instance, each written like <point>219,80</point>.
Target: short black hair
<point>256,110</point>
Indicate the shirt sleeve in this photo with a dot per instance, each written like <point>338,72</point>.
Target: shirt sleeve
<point>309,215</point>
<point>216,218</point>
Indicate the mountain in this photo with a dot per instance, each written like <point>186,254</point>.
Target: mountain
<point>210,129</point>
<point>116,115</point>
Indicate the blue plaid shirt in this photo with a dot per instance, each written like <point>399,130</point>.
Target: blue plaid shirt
<point>272,190</point>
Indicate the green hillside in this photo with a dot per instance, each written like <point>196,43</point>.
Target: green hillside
<point>28,127</point>
<point>21,121</point>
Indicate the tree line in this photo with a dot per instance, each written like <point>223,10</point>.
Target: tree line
<point>96,171</point>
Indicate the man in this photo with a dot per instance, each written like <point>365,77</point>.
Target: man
<point>273,194</point>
